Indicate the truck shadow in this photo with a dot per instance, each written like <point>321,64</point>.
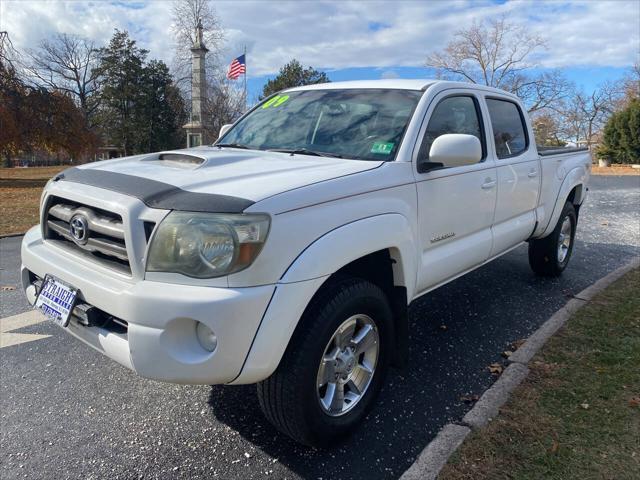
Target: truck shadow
<point>456,332</point>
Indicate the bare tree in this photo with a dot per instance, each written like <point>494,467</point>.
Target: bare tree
<point>9,56</point>
<point>499,55</point>
<point>186,15</point>
<point>66,63</point>
<point>544,91</point>
<point>548,129</point>
<point>225,104</point>
<point>630,86</point>
<point>586,114</point>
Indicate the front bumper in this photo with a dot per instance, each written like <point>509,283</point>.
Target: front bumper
<point>160,342</point>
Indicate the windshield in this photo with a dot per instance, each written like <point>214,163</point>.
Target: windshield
<point>352,123</point>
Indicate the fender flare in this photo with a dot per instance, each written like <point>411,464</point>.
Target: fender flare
<point>334,249</point>
<point>310,270</point>
<point>575,178</point>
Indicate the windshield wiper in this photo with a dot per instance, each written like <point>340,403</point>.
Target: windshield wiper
<point>233,145</point>
<point>304,151</point>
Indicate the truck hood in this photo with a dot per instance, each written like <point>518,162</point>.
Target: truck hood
<point>250,174</point>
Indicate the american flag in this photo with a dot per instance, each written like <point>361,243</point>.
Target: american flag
<point>237,68</point>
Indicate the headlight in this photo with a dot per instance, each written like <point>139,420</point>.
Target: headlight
<point>207,245</point>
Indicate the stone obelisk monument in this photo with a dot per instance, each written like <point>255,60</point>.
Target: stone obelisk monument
<point>196,133</point>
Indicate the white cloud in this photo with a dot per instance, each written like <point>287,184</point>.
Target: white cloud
<point>336,35</point>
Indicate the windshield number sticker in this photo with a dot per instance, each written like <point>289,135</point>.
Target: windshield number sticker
<point>276,101</point>
<point>382,147</point>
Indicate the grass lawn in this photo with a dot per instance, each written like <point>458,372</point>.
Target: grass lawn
<point>38,173</point>
<point>20,190</point>
<point>577,415</point>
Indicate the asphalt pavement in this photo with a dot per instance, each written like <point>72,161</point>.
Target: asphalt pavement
<point>68,412</point>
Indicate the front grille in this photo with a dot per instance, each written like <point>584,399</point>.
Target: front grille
<point>104,240</point>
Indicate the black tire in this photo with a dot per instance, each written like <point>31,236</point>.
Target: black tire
<point>289,397</point>
<point>543,253</point>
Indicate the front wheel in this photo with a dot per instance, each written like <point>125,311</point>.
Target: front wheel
<point>549,256</point>
<point>334,366</point>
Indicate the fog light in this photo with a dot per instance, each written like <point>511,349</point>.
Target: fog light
<point>206,337</point>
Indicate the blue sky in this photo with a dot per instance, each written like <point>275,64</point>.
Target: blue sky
<point>585,77</point>
<point>591,41</point>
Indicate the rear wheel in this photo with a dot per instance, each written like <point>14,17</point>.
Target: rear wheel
<point>549,256</point>
<point>334,366</point>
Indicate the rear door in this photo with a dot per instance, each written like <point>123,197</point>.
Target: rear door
<point>518,170</point>
<point>455,205</point>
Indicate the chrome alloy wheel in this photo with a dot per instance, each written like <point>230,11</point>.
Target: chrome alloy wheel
<point>564,239</point>
<point>348,365</point>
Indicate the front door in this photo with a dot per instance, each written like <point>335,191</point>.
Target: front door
<point>455,205</point>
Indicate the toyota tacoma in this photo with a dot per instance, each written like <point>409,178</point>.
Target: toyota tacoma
<point>286,253</point>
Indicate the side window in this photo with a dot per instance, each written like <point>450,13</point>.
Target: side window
<point>509,132</point>
<point>453,115</point>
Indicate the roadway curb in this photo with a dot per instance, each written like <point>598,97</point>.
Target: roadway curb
<point>437,453</point>
<point>487,407</point>
<point>9,235</point>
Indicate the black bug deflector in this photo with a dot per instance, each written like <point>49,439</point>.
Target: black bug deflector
<point>155,194</point>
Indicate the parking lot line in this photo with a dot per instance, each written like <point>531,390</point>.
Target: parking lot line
<point>14,322</point>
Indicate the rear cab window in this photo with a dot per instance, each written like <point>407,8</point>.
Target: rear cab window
<point>509,130</point>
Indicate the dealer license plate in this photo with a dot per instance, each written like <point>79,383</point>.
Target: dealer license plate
<point>56,300</point>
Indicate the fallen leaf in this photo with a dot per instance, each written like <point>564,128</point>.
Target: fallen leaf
<point>469,398</point>
<point>507,353</point>
<point>554,447</point>
<point>495,368</point>
<point>518,343</point>
<point>634,402</point>
<point>443,327</point>
<point>7,288</point>
<point>585,406</point>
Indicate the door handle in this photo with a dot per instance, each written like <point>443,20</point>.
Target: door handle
<point>488,184</point>
<point>532,174</point>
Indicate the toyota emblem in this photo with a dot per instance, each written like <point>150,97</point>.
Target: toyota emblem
<point>79,229</point>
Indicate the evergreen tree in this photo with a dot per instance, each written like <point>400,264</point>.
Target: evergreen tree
<point>293,74</point>
<point>160,111</point>
<point>120,71</point>
<point>621,142</point>
<point>142,110</point>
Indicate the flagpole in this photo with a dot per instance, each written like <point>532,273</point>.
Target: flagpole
<point>245,78</point>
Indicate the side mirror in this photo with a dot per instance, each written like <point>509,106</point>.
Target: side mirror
<point>225,128</point>
<point>452,150</point>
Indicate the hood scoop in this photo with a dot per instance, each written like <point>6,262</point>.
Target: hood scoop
<point>176,160</point>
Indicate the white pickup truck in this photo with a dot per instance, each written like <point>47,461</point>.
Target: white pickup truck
<point>286,254</point>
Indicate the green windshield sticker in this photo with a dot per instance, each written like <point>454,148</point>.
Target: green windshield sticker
<point>382,147</point>
<point>281,100</point>
<point>270,102</point>
<point>276,101</point>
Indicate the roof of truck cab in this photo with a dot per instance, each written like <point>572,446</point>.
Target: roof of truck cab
<point>402,84</point>
<point>393,83</point>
